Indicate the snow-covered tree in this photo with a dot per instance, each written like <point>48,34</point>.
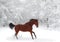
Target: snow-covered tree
<point>21,11</point>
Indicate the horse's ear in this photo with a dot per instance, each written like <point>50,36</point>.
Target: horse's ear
<point>31,19</point>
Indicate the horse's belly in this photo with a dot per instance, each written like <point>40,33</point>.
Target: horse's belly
<point>26,29</point>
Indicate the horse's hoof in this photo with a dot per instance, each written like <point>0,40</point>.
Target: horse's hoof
<point>16,38</point>
<point>36,38</point>
<point>33,38</point>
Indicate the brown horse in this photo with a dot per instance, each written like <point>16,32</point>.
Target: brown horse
<point>25,27</point>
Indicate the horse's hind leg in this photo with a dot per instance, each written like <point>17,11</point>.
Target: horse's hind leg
<point>16,34</point>
<point>34,34</point>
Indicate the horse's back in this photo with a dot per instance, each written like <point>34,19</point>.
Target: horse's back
<point>23,27</point>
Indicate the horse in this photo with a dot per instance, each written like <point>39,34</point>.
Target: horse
<point>25,27</point>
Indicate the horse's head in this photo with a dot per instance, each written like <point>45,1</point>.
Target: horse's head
<point>34,21</point>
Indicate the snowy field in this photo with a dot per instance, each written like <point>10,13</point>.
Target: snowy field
<point>43,35</point>
<point>20,11</point>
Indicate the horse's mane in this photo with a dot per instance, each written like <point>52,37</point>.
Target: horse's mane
<point>33,19</point>
<point>30,21</point>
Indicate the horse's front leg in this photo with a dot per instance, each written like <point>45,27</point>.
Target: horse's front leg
<point>34,34</point>
<point>31,34</point>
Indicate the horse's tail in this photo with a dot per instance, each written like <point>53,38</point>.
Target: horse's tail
<point>11,25</point>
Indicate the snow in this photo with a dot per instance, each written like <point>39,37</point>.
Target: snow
<point>43,35</point>
<point>23,11</point>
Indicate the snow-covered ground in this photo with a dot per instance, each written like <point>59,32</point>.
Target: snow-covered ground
<point>23,11</point>
<point>43,35</point>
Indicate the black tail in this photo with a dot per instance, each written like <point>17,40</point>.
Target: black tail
<point>11,25</point>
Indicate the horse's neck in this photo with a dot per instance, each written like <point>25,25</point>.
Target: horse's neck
<point>29,23</point>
